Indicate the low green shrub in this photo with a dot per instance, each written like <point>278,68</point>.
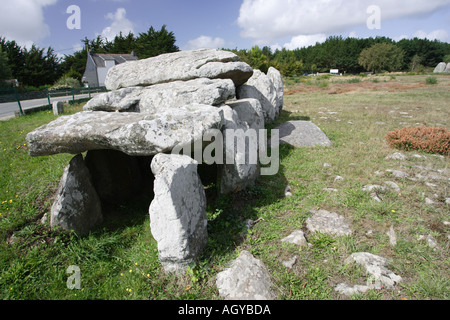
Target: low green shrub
<point>431,80</point>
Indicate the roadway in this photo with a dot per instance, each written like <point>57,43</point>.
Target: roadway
<point>7,110</point>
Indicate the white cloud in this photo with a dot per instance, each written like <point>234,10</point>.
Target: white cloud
<point>205,42</point>
<point>120,23</point>
<point>440,34</point>
<point>302,41</point>
<point>23,21</point>
<point>267,20</point>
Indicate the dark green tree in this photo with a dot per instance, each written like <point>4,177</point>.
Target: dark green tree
<point>5,70</point>
<point>153,43</point>
<point>16,58</point>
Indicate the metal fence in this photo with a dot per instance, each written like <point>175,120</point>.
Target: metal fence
<point>20,94</point>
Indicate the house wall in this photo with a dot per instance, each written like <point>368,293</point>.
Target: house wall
<point>90,75</point>
<point>102,72</point>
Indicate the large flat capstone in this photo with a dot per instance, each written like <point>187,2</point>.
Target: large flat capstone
<point>135,134</point>
<point>160,97</point>
<point>183,65</point>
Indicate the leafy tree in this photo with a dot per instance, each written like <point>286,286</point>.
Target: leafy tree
<point>415,62</point>
<point>75,64</point>
<point>382,56</point>
<point>16,58</point>
<point>40,67</point>
<point>123,44</point>
<point>153,43</point>
<point>5,71</point>
<point>257,60</point>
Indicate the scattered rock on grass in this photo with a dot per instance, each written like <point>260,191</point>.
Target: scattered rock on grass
<point>392,185</point>
<point>297,237</point>
<point>328,222</point>
<point>246,279</point>
<point>396,156</point>
<point>398,174</point>
<point>348,291</point>
<point>376,267</point>
<point>290,263</point>
<point>392,237</point>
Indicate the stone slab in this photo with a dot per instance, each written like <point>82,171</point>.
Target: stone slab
<point>303,134</point>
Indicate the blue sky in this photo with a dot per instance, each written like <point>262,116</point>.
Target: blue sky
<point>231,23</point>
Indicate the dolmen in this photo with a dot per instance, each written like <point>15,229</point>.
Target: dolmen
<point>163,119</point>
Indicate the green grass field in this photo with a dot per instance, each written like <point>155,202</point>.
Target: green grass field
<point>119,259</point>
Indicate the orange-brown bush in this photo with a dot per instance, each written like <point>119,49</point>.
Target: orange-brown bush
<point>432,140</point>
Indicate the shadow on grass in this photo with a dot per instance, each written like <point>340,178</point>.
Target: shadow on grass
<point>228,215</point>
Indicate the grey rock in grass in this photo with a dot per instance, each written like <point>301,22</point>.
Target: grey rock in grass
<point>447,68</point>
<point>327,222</point>
<point>376,267</point>
<point>431,242</point>
<point>441,67</point>
<point>77,206</point>
<point>183,65</point>
<point>178,211</point>
<point>288,191</point>
<point>297,237</point>
<point>392,185</point>
<point>373,187</point>
<point>290,263</point>
<point>346,290</point>
<point>247,278</point>
<point>302,134</point>
<point>396,156</point>
<point>392,236</point>
<point>398,174</point>
<point>131,133</point>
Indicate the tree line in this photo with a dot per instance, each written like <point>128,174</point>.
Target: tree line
<point>37,67</point>
<point>351,55</point>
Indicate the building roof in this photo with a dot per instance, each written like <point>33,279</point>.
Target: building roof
<point>100,58</point>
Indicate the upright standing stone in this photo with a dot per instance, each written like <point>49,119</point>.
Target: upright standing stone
<point>77,206</point>
<point>277,80</point>
<point>240,152</point>
<point>178,212</point>
<point>58,107</point>
<point>261,87</point>
<point>447,69</point>
<point>441,67</point>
